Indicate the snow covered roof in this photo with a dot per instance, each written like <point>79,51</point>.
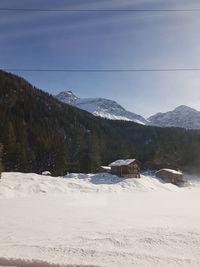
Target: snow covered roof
<point>105,167</point>
<point>122,162</point>
<point>46,173</point>
<point>171,171</point>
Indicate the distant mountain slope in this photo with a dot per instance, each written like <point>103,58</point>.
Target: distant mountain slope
<point>101,107</point>
<point>39,133</point>
<point>182,116</point>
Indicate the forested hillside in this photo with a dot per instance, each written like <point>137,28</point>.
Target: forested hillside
<point>40,133</point>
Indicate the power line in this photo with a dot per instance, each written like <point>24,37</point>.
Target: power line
<point>98,10</point>
<point>106,70</point>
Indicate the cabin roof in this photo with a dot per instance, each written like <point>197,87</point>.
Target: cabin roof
<point>46,173</point>
<point>122,162</point>
<point>171,171</point>
<point>105,167</point>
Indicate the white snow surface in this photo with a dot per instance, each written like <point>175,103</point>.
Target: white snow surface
<point>122,162</point>
<point>99,219</point>
<point>46,173</point>
<point>31,184</point>
<point>101,107</point>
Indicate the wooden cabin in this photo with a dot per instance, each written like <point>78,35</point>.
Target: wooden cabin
<point>103,169</point>
<point>170,176</point>
<point>129,168</point>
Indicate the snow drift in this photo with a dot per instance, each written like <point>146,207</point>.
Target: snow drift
<point>30,184</point>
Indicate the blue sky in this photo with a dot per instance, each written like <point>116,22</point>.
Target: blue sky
<point>122,40</point>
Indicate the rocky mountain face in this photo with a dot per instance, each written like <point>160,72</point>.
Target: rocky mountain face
<point>101,107</point>
<point>182,116</point>
<point>67,97</point>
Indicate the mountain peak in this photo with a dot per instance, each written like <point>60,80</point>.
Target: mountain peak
<point>69,92</point>
<point>67,97</point>
<point>101,107</point>
<point>182,116</point>
<point>184,108</point>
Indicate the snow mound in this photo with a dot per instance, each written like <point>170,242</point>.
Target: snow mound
<point>29,184</point>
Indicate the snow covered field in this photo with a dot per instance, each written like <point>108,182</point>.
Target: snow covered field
<point>99,220</point>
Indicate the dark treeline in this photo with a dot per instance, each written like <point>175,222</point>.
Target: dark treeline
<point>40,133</point>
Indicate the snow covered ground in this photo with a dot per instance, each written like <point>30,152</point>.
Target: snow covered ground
<point>99,220</point>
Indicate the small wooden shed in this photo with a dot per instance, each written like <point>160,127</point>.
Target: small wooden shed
<point>129,168</point>
<point>170,176</point>
<point>102,169</point>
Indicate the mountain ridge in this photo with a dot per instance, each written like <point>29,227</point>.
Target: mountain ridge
<point>101,107</point>
<point>182,116</point>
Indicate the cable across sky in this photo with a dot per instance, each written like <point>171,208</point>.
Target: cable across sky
<point>105,70</point>
<point>98,10</point>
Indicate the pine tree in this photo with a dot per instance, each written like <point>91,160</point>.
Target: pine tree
<point>9,141</point>
<point>60,158</point>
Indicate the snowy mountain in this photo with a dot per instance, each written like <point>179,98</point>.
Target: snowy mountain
<point>101,107</point>
<point>67,97</point>
<point>182,116</point>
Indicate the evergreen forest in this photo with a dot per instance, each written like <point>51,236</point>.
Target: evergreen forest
<point>37,133</point>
